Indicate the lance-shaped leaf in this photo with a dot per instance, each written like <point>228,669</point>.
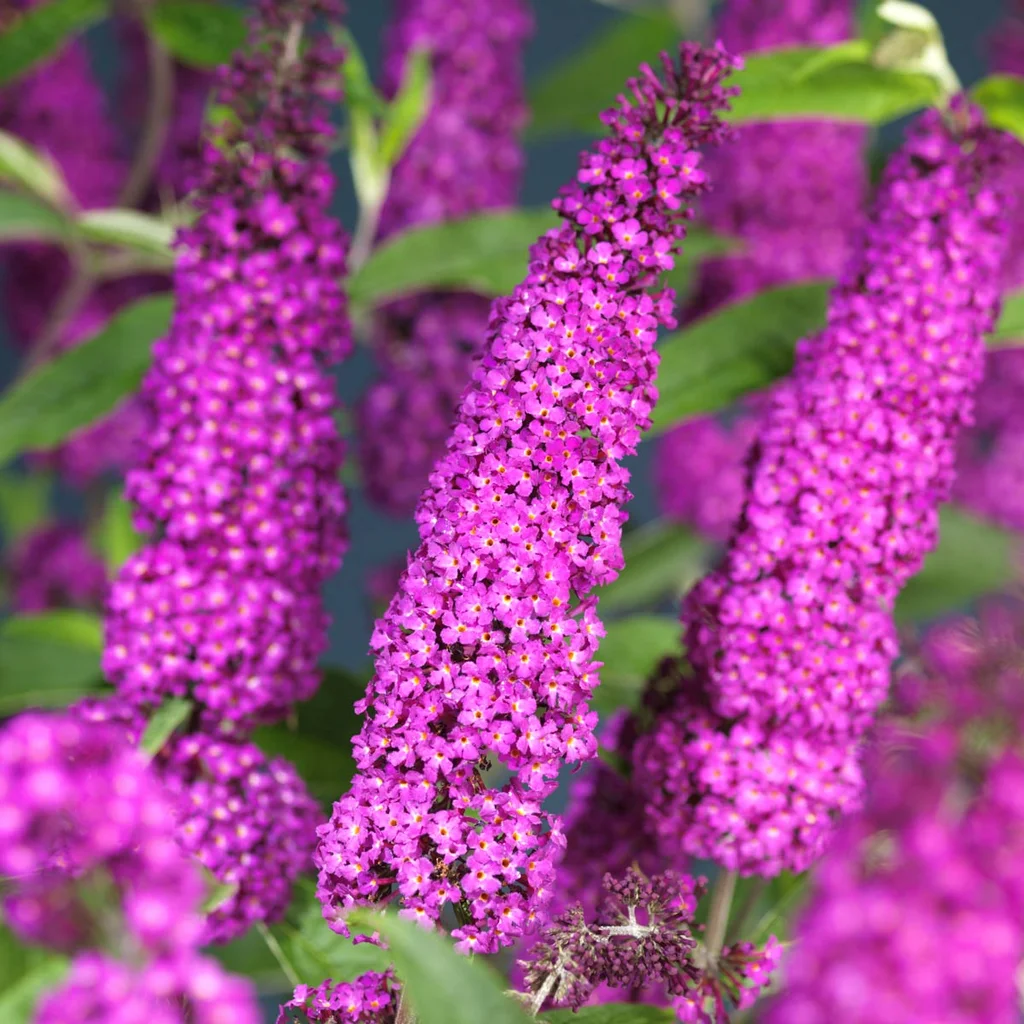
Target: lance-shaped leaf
<point>32,171</point>
<point>25,219</point>
<point>38,33</point>
<point>84,383</point>
<point>630,650</point>
<point>1002,99</point>
<point>198,33</point>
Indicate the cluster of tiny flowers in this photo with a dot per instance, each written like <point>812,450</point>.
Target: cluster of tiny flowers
<point>85,823</point>
<point>487,650</point>
<point>639,937</point>
<point>928,872</point>
<point>790,641</point>
<point>790,192</point>
<point>734,982</point>
<point>990,466</point>
<point>54,567</point>
<point>370,999</point>
<point>248,819</point>
<point>237,478</point>
<point>465,158</point>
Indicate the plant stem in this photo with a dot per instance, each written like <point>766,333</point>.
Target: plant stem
<point>366,232</point>
<point>278,953</point>
<point>154,132</point>
<point>404,1014</point>
<point>718,913</point>
<point>67,306</point>
<point>755,892</point>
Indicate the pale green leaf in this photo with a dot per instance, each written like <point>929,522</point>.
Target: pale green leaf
<point>197,32</point>
<point>31,170</point>
<point>611,1013</point>
<point>39,32</point>
<point>43,971</point>
<point>570,97</point>
<point>662,559</point>
<point>115,537</point>
<point>1002,99</point>
<point>630,650</point>
<point>24,504</point>
<point>487,254</point>
<point>174,711</point>
<point>973,558</point>
<point>442,986</point>
<point>1010,328</point>
<point>408,109</point>
<point>83,384</point>
<point>132,229</point>
<point>48,660</point>
<point>26,219</point>
<point>739,348</point>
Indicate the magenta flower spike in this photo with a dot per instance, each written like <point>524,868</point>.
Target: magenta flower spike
<point>792,194</point>
<point>465,158</point>
<point>790,642</point>
<point>934,854</point>
<point>486,653</point>
<point>237,477</point>
<point>85,824</point>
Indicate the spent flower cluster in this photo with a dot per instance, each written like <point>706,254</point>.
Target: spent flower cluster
<point>486,653</point>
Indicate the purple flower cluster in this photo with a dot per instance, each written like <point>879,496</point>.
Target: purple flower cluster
<point>928,873</point>
<point>370,999</point>
<point>238,473</point>
<point>54,567</point>
<point>247,819</point>
<point>990,467</point>
<point>85,824</point>
<point>790,641</point>
<point>791,192</point>
<point>487,651</point>
<point>465,158</point>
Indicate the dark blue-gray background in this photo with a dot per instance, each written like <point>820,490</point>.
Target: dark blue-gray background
<point>562,27</point>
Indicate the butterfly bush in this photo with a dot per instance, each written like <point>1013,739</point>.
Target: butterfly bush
<point>237,478</point>
<point>990,467</point>
<point>790,641</point>
<point>790,193</point>
<point>85,823</point>
<point>933,856</point>
<point>486,653</point>
<point>465,158</point>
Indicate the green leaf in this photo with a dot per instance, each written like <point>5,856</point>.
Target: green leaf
<point>630,650</point>
<point>570,97</point>
<point>25,974</point>
<point>441,986</point>
<point>315,951</point>
<point>407,109</point>
<point>1002,99</point>
<point>115,537</point>
<point>198,33</point>
<point>913,44</point>
<point>776,908</point>
<point>776,86</point>
<point>662,559</point>
<point>60,625</point>
<point>38,33</point>
<point>23,218</point>
<point>742,347</point>
<point>370,174</point>
<point>1011,324</point>
<point>24,504</point>
<point>48,660</point>
<point>162,723</point>
<point>250,956</point>
<point>973,558</point>
<point>486,254</point>
<point>141,232</point>
<point>31,170</point>
<point>217,892</point>
<point>83,384</point>
<point>611,1013</point>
